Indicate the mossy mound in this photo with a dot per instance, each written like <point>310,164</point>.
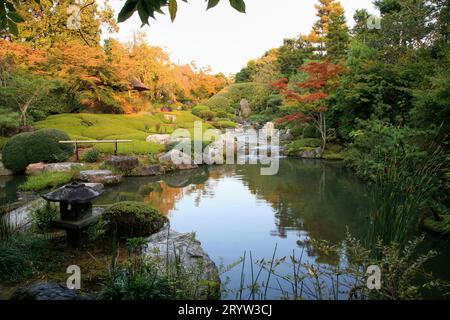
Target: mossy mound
<point>134,219</point>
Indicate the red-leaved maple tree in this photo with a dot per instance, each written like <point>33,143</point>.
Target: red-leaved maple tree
<point>311,94</point>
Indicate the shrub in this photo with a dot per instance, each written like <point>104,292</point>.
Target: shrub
<point>147,284</point>
<point>2,142</point>
<point>306,143</point>
<point>91,156</point>
<point>441,227</point>
<point>39,146</point>
<point>303,145</point>
<point>207,115</point>
<point>46,180</point>
<point>14,152</point>
<point>42,217</point>
<point>196,110</point>
<point>219,102</point>
<point>134,219</point>
<point>224,124</point>
<point>44,146</point>
<point>24,255</point>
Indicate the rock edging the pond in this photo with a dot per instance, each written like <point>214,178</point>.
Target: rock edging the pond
<point>47,291</point>
<point>35,168</point>
<point>106,177</point>
<point>4,171</point>
<point>183,247</point>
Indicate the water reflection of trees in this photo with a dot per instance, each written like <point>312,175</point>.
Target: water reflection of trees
<point>310,197</point>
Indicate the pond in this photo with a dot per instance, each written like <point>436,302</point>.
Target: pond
<point>233,209</point>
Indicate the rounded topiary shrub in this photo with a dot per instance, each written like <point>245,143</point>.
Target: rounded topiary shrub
<point>32,147</point>
<point>44,146</point>
<point>134,219</point>
<point>14,152</point>
<point>198,109</point>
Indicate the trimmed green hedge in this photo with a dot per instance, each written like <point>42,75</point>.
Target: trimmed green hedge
<point>14,152</point>
<point>134,219</point>
<point>224,124</point>
<point>32,147</point>
<point>303,145</point>
<point>198,109</point>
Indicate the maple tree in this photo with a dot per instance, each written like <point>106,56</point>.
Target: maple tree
<point>311,94</point>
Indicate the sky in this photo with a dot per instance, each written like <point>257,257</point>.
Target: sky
<point>224,39</point>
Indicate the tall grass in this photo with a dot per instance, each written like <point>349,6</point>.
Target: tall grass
<point>400,193</point>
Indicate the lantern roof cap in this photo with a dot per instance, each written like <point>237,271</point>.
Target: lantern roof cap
<point>73,193</point>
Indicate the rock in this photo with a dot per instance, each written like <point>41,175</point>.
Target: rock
<point>180,160</point>
<point>269,129</point>
<point>159,138</point>
<point>47,291</point>
<point>311,154</point>
<point>245,109</point>
<point>123,163</point>
<point>287,136</point>
<point>148,171</point>
<point>214,154</point>
<point>183,247</point>
<point>63,166</point>
<point>4,171</point>
<point>35,168</point>
<point>105,177</point>
<point>171,118</point>
<point>20,218</point>
<point>99,187</point>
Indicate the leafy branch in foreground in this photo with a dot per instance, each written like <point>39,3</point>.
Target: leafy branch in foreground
<point>147,8</point>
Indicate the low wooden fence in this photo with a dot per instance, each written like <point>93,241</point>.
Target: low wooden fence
<point>77,142</point>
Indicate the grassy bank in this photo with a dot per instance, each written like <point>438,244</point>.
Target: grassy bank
<point>84,126</point>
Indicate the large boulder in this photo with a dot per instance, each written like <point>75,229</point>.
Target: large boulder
<point>36,168</point>
<point>269,129</point>
<point>63,166</point>
<point>106,177</point>
<point>245,109</point>
<point>178,159</point>
<point>170,117</point>
<point>169,245</point>
<point>316,153</point>
<point>125,164</point>
<point>159,138</point>
<point>148,170</point>
<point>47,291</point>
<point>4,171</point>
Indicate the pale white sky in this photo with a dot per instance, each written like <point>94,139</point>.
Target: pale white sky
<point>225,39</point>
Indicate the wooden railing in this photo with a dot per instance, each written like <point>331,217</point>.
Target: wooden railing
<point>77,142</point>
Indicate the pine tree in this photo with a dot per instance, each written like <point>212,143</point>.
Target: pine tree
<point>329,34</point>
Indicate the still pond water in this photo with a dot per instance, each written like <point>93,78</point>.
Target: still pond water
<point>233,209</point>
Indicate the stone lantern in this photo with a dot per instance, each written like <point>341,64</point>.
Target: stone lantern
<point>76,210</point>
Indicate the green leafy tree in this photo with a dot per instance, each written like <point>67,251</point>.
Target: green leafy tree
<point>25,91</point>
